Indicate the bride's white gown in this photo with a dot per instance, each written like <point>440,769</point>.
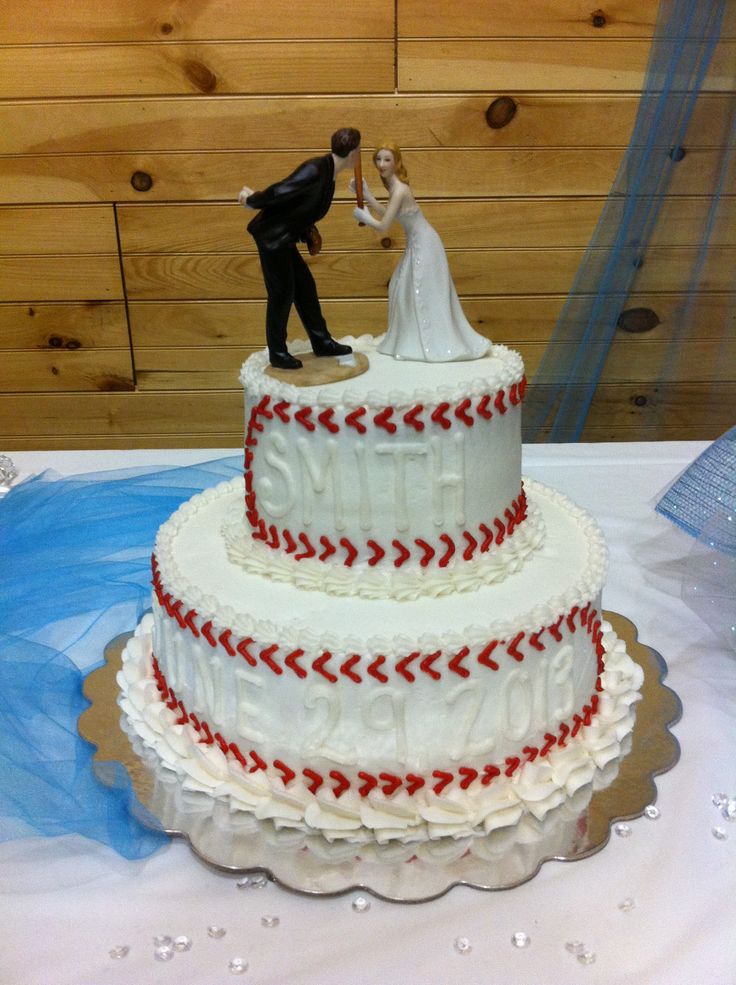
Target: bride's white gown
<point>425,320</point>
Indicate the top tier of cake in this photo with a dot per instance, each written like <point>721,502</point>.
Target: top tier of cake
<point>405,480</point>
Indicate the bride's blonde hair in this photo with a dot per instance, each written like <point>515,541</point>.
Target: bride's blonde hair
<point>389,145</point>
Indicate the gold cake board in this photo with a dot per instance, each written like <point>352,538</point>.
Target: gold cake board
<point>238,843</point>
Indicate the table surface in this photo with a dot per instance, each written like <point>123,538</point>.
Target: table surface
<point>65,903</point>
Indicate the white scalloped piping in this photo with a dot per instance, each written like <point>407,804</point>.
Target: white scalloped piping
<point>535,789</point>
<point>257,384</point>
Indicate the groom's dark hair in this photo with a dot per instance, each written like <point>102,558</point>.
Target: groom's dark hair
<point>344,141</point>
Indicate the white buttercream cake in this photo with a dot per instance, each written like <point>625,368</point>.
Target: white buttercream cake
<point>380,632</point>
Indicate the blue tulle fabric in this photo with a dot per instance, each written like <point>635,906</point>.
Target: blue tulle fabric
<point>685,37</point>
<point>74,573</point>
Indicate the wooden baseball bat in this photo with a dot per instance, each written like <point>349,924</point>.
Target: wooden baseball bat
<point>358,172</point>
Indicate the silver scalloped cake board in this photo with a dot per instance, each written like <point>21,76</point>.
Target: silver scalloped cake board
<point>238,843</point>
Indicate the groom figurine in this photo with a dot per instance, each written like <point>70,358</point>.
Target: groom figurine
<point>288,211</point>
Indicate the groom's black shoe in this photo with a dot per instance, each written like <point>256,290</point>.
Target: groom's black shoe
<point>329,347</point>
<point>284,360</point>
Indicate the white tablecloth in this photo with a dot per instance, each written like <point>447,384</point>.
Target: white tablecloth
<point>65,903</point>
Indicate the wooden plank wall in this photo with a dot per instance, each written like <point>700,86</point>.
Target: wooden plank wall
<point>130,291</point>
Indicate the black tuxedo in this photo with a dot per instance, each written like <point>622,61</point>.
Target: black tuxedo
<point>287,209</point>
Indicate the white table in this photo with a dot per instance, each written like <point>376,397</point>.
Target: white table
<point>65,903</point>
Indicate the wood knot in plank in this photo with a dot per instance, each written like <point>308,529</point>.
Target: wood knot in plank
<point>637,320</point>
<point>501,112</point>
<point>598,18</point>
<point>200,76</point>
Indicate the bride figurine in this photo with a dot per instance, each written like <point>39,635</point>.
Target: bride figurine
<point>425,320</point>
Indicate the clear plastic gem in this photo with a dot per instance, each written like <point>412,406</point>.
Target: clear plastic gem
<point>520,939</point>
<point>270,921</point>
<point>164,952</point>
<point>587,957</point>
<point>719,834</point>
<point>622,830</point>
<point>238,966</point>
<point>575,947</point>
<point>728,810</point>
<point>719,799</point>
<point>216,932</point>
<point>361,904</point>
<point>651,812</point>
<point>259,880</point>
<point>462,945</point>
<point>182,943</point>
<point>120,952</point>
<point>626,904</point>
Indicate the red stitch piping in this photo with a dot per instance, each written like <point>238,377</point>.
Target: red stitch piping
<point>551,741</point>
<point>564,732</point>
<point>288,772</point>
<point>316,779</point>
<point>291,544</point>
<point>534,640</point>
<point>470,775</point>
<point>302,416</point>
<point>281,409</point>
<point>329,548</point>
<point>267,655</point>
<point>438,416</point>
<point>414,783</point>
<point>402,556</point>
<point>353,420</point>
<point>207,633</point>
<point>208,740</point>
<point>444,778</point>
<point>319,666</point>
<point>482,407</point>
<point>370,783</point>
<point>351,552</point>
<point>221,743</point>
<point>273,540</point>
<point>571,618</point>
<point>374,671</point>
<point>290,661</point>
<point>342,782</point>
<point>402,667</point>
<point>426,665</point>
<point>378,552</point>
<point>512,765</point>
<point>484,657</point>
<point>472,544</point>
<point>531,753</point>
<point>499,404</point>
<point>488,535</point>
<point>242,649</point>
<point>490,772</point>
<point>347,668</point>
<point>555,629</point>
<point>449,542</point>
<point>325,419</point>
<point>410,417</point>
<point>513,650</point>
<point>308,551</point>
<point>513,397</point>
<point>522,388</point>
<point>461,412</point>
<point>455,664</point>
<point>429,552</point>
<point>391,783</point>
<point>500,531</point>
<point>383,420</point>
<point>260,763</point>
<point>238,755</point>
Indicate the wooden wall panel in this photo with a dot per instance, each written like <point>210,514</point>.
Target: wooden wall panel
<point>124,314</point>
<point>223,67</point>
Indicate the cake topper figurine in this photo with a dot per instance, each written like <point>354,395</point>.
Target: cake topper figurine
<point>288,211</point>
<point>425,320</point>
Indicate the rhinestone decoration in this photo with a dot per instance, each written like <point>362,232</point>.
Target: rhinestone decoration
<point>162,940</point>
<point>719,834</point>
<point>165,952</point>
<point>520,939</point>
<point>587,957</point>
<point>216,932</point>
<point>652,812</point>
<point>728,810</point>
<point>626,905</point>
<point>182,943</point>
<point>361,904</point>
<point>238,966</point>
<point>8,471</point>
<point>622,830</point>
<point>462,945</point>
<point>575,947</point>
<point>270,921</point>
<point>259,880</point>
<point>719,800</point>
<point>120,952</point>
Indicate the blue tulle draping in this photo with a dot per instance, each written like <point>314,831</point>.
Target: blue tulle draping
<point>685,38</point>
<point>75,572</point>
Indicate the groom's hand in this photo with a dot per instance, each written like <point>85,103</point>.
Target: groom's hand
<point>245,193</point>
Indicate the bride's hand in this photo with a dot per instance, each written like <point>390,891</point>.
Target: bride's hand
<point>363,216</point>
<point>351,187</point>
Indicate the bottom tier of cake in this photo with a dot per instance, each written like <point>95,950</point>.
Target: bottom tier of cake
<point>378,719</point>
